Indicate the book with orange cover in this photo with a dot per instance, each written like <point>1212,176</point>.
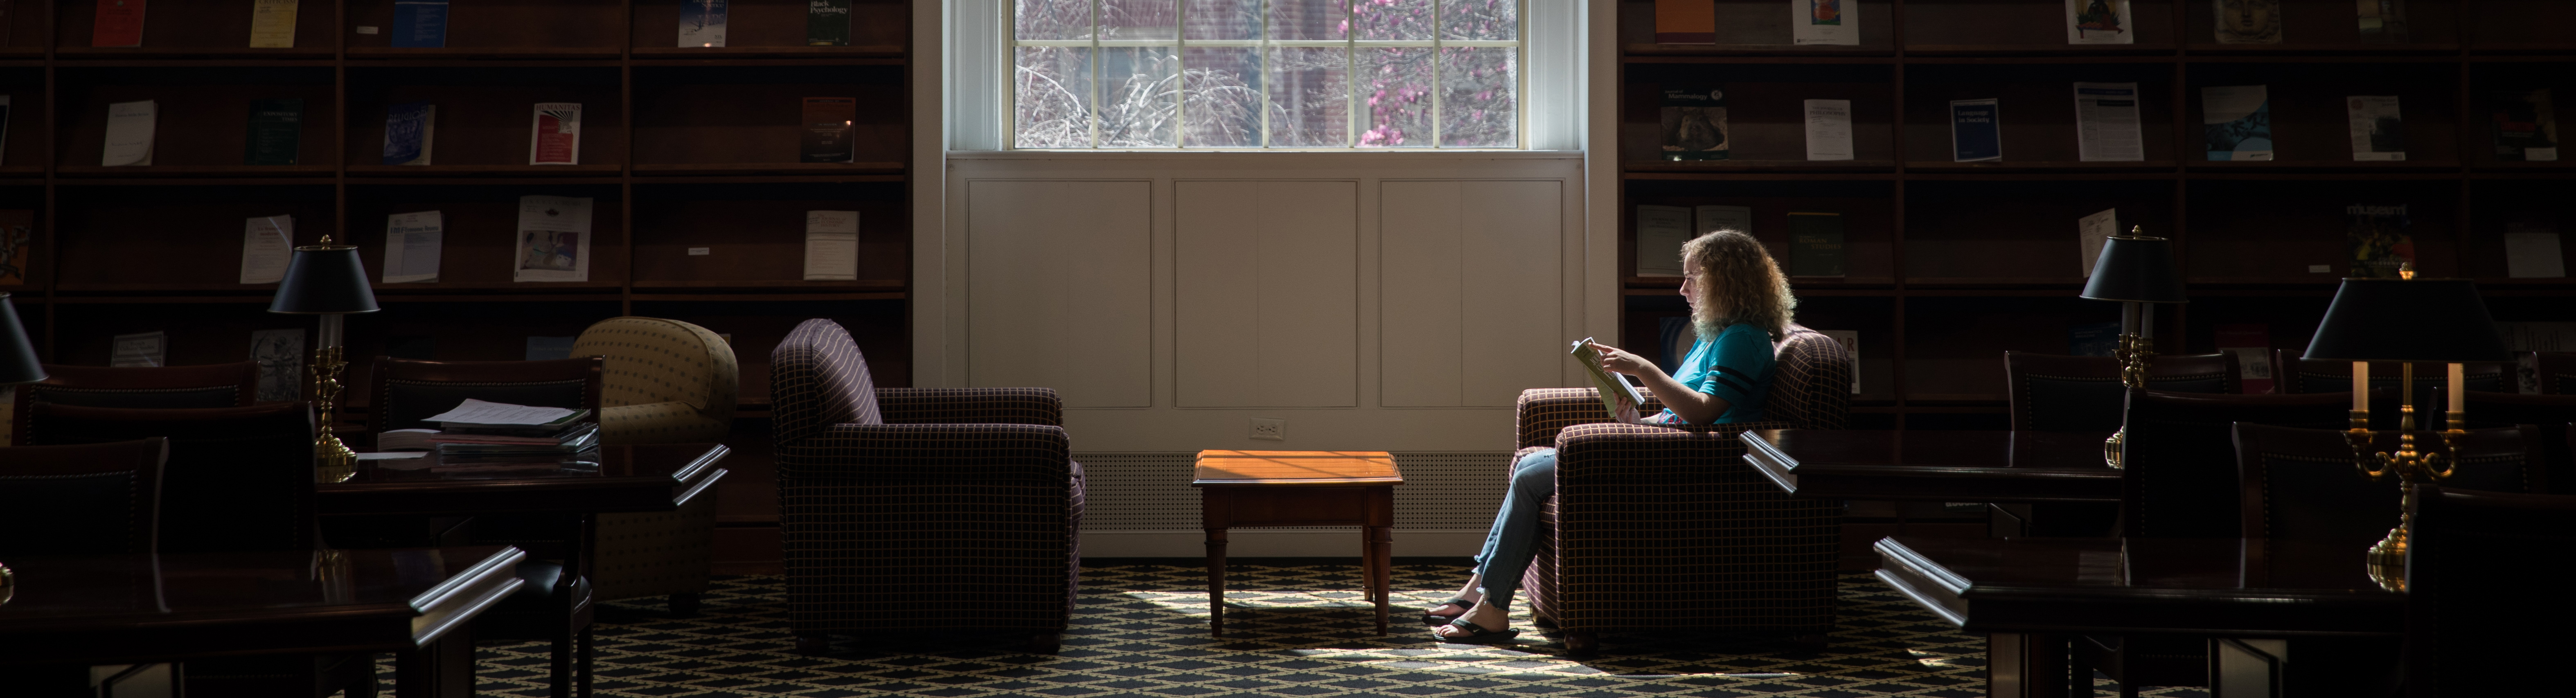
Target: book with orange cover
<point>1685,22</point>
<point>119,23</point>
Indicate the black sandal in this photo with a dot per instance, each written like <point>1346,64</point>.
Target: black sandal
<point>1476,635</point>
<point>1429,618</point>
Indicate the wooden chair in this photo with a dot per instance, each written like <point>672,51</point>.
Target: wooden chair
<point>2548,413</point>
<point>236,479</point>
<point>2300,483</point>
<point>2302,375</point>
<point>2479,570</point>
<point>555,603</point>
<point>2557,372</point>
<point>1729,551</point>
<point>88,499</point>
<point>2083,393</point>
<point>920,509</point>
<point>213,385</point>
<point>665,382</point>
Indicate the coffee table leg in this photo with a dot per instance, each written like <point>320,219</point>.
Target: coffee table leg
<point>1216,581</point>
<point>1382,576</point>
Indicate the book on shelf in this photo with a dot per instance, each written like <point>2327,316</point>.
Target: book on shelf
<point>1850,339</point>
<point>2381,244</point>
<point>2526,126</point>
<point>1976,132</point>
<point>280,355</point>
<point>827,22</point>
<point>2100,22</point>
<point>420,24</point>
<point>138,350</point>
<point>1710,219</point>
<point>2382,21</point>
<point>1821,23</point>
<point>2106,122</point>
<point>1617,396</point>
<point>2252,344</point>
<point>2531,251</point>
<point>272,23</point>
<point>2522,338</point>
<point>554,239</point>
<point>276,132</point>
<point>4,111</point>
<point>117,23</point>
<point>702,23</point>
<point>2236,122</point>
<point>409,132</point>
<point>129,133</point>
<point>2378,132</point>
<point>831,245</point>
<point>17,245</point>
<point>554,136</point>
<point>1685,22</point>
<point>2092,338</point>
<point>2247,21</point>
<point>2091,234</point>
<point>1694,123</point>
<point>549,348</point>
<point>268,242</point>
<point>1829,129</point>
<point>1674,336</point>
<point>1815,244</point>
<point>830,123</point>
<point>413,244</point>
<point>1661,230</point>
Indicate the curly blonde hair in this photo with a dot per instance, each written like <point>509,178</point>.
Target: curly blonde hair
<point>1739,284</point>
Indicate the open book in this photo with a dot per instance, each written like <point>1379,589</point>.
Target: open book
<point>1616,393</point>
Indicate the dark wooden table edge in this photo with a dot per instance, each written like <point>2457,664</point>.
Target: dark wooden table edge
<point>354,498</point>
<point>1776,466</point>
<point>487,582</point>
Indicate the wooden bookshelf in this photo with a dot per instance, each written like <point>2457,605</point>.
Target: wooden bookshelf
<point>1952,264</point>
<point>681,148</point>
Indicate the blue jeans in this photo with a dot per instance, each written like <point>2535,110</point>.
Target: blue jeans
<point>1514,540</point>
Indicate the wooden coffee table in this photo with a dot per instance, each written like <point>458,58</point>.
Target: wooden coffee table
<point>1300,488</point>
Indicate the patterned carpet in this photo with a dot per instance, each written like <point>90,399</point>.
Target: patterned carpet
<point>1296,632</point>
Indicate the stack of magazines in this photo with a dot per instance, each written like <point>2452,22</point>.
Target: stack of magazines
<point>485,433</point>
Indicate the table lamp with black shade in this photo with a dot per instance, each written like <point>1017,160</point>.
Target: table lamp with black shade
<point>2138,271</point>
<point>2406,320</point>
<point>326,280</point>
<point>18,366</point>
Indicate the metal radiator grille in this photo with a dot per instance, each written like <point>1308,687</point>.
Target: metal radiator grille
<point>1150,491</point>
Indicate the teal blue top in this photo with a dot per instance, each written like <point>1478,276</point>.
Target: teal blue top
<point>1735,368</point>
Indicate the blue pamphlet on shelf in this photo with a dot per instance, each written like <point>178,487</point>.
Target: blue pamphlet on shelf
<point>420,23</point>
<point>1975,132</point>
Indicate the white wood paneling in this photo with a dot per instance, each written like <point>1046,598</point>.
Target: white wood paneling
<point>1265,279</point>
<point>1060,288</point>
<point>1472,291</point>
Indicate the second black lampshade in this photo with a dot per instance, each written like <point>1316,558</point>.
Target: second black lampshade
<point>2135,269</point>
<point>2435,320</point>
<point>18,362</point>
<point>324,279</point>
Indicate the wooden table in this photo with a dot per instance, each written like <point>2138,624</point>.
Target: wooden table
<point>67,613</point>
<point>1300,488</point>
<point>2030,595</point>
<point>659,477</point>
<point>2039,483</point>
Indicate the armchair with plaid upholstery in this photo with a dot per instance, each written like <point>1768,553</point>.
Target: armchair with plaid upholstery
<point>1656,527</point>
<point>919,509</point>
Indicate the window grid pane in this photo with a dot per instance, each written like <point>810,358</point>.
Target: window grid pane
<point>1266,73</point>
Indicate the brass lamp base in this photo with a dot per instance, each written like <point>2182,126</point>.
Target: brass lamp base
<point>333,462</point>
<point>2387,560</point>
<point>8,584</point>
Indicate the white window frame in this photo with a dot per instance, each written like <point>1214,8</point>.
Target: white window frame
<point>1549,76</point>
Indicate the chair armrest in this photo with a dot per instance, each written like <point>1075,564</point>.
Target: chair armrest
<point>658,423</point>
<point>1543,412</point>
<point>1630,455</point>
<point>943,452</point>
<point>970,406</point>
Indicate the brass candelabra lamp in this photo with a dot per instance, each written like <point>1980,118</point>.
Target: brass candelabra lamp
<point>2406,320</point>
<point>2138,271</point>
<point>18,366</point>
<point>329,281</point>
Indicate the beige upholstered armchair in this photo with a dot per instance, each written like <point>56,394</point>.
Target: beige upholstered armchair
<point>666,382</point>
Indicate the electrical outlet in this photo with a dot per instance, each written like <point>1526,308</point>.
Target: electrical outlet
<point>1267,429</point>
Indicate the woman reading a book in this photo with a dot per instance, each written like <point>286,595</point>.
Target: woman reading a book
<point>1739,304</point>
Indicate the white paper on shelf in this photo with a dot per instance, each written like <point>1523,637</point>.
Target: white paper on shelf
<point>132,350</point>
<point>2106,122</point>
<point>1824,22</point>
<point>280,355</point>
<point>2532,253</point>
<point>554,239</point>
<point>2093,232</point>
<point>1829,131</point>
<point>473,411</point>
<point>268,242</point>
<point>412,245</point>
<point>2367,113</point>
<point>1710,219</point>
<point>831,245</point>
<point>2119,28</point>
<point>1850,339</point>
<point>129,133</point>
<point>2231,104</point>
<point>1661,230</point>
